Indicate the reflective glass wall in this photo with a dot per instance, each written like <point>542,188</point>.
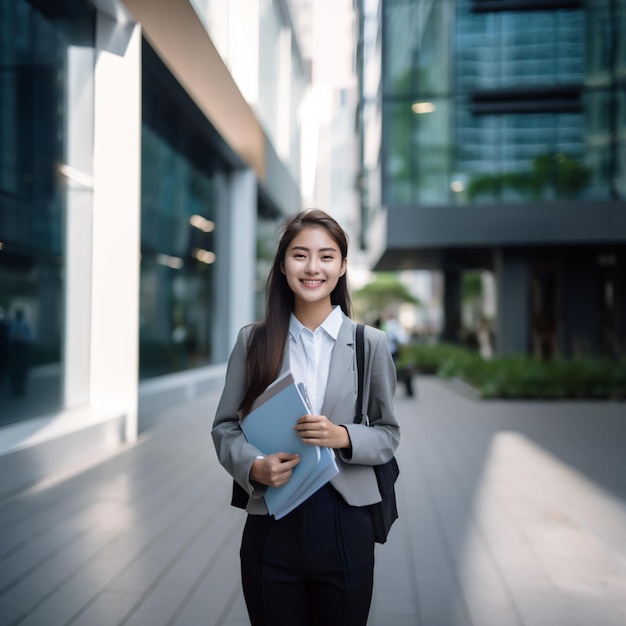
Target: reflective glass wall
<point>178,233</point>
<point>503,106</point>
<point>369,120</point>
<point>40,43</point>
<point>269,225</point>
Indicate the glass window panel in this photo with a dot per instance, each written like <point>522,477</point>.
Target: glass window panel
<point>268,228</point>
<point>619,23</point>
<point>34,95</point>
<point>269,63</point>
<point>601,126</point>
<point>400,30</point>
<point>418,47</point>
<point>523,157</point>
<point>599,45</point>
<point>398,166</point>
<point>431,145</point>
<point>533,48</point>
<point>433,47</point>
<point>619,178</point>
<point>177,260</point>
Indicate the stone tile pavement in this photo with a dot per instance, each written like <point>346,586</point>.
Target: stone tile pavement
<point>512,513</point>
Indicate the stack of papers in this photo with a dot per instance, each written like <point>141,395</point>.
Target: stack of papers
<point>269,427</point>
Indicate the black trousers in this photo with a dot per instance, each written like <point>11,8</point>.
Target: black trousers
<point>313,567</point>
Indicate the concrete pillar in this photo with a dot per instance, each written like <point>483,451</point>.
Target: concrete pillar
<point>581,305</point>
<point>116,220</point>
<point>235,257</point>
<point>451,306</point>
<point>513,297</point>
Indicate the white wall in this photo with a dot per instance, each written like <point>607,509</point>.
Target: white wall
<point>116,220</point>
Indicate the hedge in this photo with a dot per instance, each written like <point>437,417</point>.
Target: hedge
<point>521,376</point>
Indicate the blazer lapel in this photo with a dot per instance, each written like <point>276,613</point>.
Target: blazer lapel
<point>341,363</point>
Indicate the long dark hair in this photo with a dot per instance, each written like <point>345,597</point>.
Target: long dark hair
<point>266,344</point>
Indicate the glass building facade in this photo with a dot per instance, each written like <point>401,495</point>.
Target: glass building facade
<point>482,105</point>
<point>179,207</point>
<point>46,77</point>
<point>502,150</point>
<point>135,182</point>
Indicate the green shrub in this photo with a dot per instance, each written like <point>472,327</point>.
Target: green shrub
<point>521,376</point>
<point>429,359</point>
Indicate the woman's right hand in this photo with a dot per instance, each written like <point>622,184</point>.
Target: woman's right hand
<point>274,470</point>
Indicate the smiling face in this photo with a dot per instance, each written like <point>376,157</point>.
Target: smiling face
<point>312,266</point>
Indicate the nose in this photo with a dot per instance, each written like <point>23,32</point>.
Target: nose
<point>312,267</point>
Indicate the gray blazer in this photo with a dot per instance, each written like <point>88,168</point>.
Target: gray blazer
<point>372,444</point>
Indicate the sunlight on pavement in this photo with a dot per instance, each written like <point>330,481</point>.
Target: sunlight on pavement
<point>545,538</point>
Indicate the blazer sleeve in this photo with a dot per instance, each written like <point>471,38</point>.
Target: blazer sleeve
<point>234,452</point>
<point>375,441</point>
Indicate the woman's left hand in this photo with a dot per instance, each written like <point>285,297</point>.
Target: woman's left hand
<point>319,430</point>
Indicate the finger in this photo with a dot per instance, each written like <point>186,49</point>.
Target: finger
<point>283,480</point>
<point>307,434</point>
<point>308,419</point>
<point>284,457</point>
<point>309,425</point>
<point>313,441</point>
<point>287,466</point>
<point>281,477</point>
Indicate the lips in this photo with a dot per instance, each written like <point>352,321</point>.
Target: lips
<point>312,283</point>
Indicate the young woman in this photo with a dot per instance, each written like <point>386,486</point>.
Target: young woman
<point>315,565</point>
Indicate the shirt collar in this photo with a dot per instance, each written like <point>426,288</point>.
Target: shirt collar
<point>330,325</point>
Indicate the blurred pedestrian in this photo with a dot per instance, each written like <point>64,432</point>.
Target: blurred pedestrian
<point>20,341</point>
<point>397,338</point>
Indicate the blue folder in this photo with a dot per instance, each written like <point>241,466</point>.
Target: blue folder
<point>269,427</point>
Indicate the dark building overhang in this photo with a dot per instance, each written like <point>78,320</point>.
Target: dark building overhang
<point>465,236</point>
<point>439,258</point>
<point>546,99</point>
<point>489,6</point>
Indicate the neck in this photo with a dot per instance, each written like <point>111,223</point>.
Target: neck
<point>312,314</point>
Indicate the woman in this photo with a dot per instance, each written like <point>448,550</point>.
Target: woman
<point>315,565</point>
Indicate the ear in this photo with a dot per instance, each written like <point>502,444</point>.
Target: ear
<point>344,266</point>
<point>282,268</point>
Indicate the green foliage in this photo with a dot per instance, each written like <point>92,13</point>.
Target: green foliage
<point>559,174</point>
<point>384,291</point>
<point>428,359</point>
<point>522,376</point>
<point>562,172</point>
<point>471,286</point>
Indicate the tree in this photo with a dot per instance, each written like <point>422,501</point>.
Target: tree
<point>378,295</point>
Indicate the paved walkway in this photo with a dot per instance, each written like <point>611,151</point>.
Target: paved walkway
<point>511,514</point>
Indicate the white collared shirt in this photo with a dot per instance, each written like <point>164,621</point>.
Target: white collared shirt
<point>310,353</point>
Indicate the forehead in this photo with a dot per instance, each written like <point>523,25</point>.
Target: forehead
<point>314,238</point>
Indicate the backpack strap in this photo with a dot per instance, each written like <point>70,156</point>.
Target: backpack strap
<point>359,340</point>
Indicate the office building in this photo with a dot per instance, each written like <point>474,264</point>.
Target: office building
<point>148,149</point>
<point>494,139</point>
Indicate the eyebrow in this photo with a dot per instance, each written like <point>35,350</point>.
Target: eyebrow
<point>330,249</point>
